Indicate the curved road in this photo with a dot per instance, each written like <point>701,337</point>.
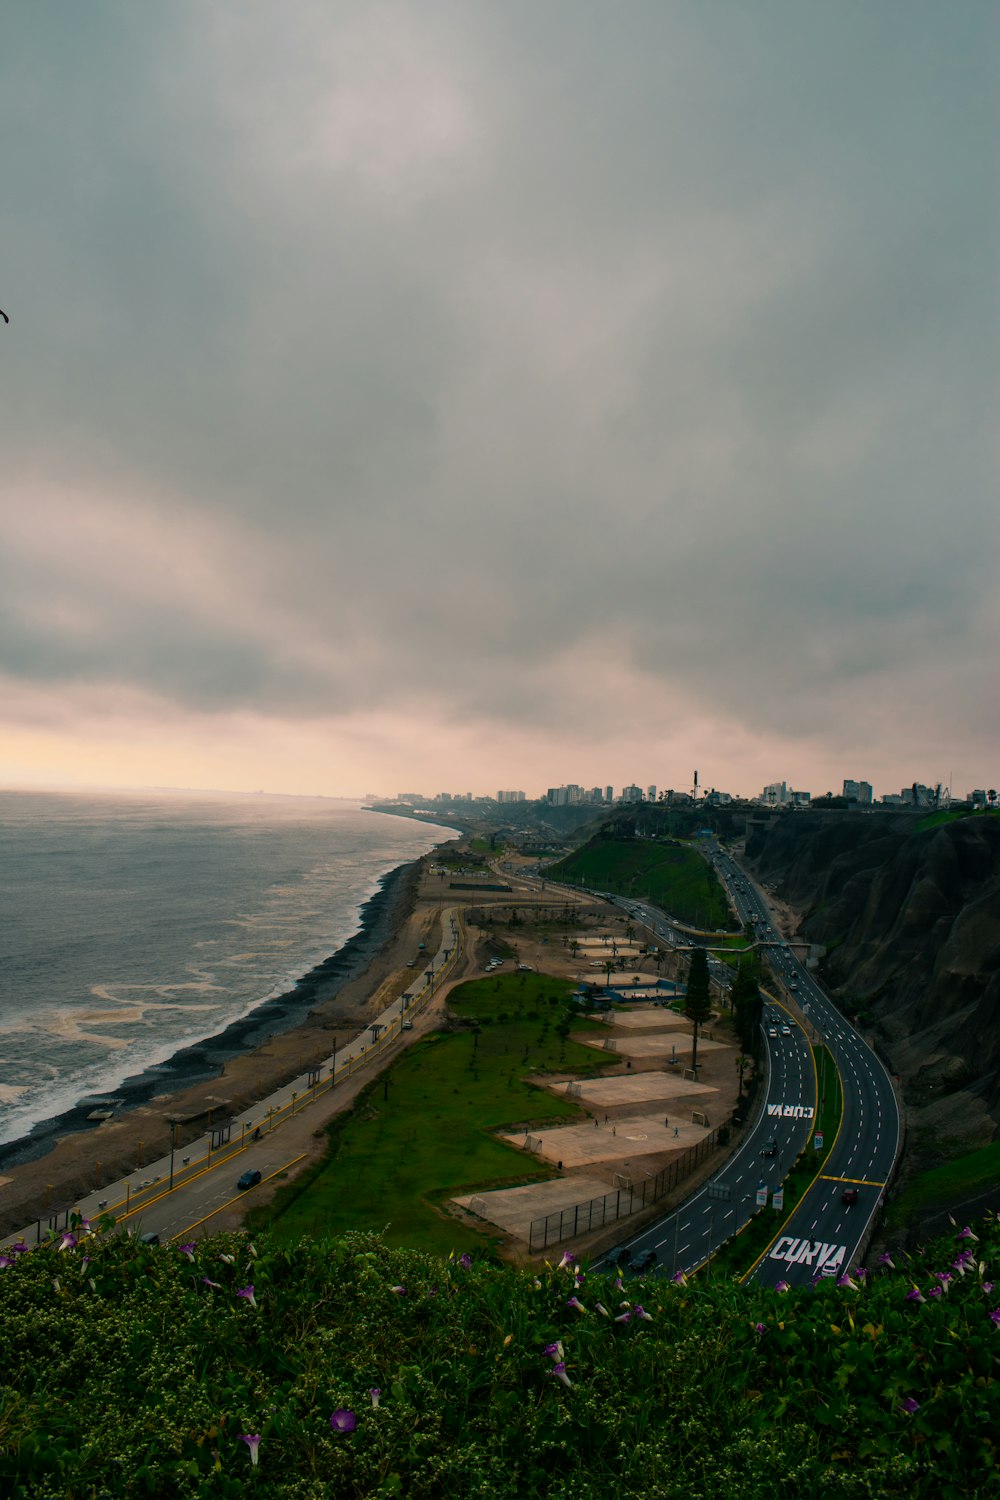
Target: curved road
<point>824,1236</point>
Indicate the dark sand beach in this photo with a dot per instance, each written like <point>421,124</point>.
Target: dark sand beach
<point>227,1073</point>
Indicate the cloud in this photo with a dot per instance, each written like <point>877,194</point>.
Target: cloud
<point>513,383</point>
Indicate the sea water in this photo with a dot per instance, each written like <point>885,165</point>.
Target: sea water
<point>132,925</point>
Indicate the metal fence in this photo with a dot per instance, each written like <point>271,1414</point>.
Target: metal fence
<point>582,1218</point>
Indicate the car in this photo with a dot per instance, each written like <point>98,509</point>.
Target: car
<point>406,1026</point>
<point>646,1262</point>
<point>525,968</point>
<point>770,1148</point>
<point>149,1238</point>
<point>786,1031</point>
<point>248,1180</point>
<point>849,1196</point>
<point>772,1031</point>
<point>621,1257</point>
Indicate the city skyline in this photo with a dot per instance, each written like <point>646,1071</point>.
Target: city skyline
<point>427,396</point>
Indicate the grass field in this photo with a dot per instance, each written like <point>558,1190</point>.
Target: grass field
<point>424,1131</point>
<point>672,876</point>
<point>963,1177</point>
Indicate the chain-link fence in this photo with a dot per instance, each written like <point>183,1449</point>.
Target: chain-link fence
<point>582,1218</point>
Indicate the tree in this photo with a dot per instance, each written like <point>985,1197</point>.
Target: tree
<point>697,998</point>
<point>749,1007</point>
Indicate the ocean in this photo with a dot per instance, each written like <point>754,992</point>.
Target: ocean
<point>133,927</point>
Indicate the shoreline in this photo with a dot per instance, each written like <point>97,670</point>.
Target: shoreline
<point>228,1072</point>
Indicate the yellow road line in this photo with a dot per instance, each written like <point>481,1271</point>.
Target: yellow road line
<point>240,1197</point>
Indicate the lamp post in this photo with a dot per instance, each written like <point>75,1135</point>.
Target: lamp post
<point>173,1147</point>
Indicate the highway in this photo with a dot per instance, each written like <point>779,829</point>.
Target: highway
<point>824,1236</point>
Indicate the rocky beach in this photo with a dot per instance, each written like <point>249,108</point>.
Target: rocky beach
<point>223,1074</point>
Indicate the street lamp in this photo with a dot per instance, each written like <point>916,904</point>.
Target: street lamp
<point>173,1147</point>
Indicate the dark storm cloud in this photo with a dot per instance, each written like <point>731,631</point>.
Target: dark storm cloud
<point>507,350</point>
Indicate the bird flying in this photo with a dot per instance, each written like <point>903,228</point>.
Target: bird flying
<point>4,315</point>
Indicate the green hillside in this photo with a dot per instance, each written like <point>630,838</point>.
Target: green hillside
<point>345,1368</point>
<point>673,876</point>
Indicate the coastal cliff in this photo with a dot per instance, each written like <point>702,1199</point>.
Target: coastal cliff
<point>908,911</point>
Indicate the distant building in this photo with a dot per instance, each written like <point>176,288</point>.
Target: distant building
<point>978,799</point>
<point>510,796</point>
<point>631,793</point>
<point>858,791</point>
<point>718,799</point>
<point>609,794</point>
<point>651,794</point>
<point>775,795</point>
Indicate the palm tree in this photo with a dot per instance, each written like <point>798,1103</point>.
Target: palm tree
<point>742,1063</point>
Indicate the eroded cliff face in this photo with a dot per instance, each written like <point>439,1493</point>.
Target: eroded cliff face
<point>911,923</point>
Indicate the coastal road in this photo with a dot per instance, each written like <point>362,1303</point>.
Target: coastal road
<point>179,1194</point>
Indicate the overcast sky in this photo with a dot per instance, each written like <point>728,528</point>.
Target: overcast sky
<point>462,396</point>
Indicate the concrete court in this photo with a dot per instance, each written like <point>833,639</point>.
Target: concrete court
<point>660,1045</point>
<point>619,1140</point>
<point>631,1088</point>
<point>652,1018</point>
<point>513,1209</point>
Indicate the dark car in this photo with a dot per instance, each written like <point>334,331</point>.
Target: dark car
<point>645,1262</point>
<point>849,1196</point>
<point>248,1180</point>
<point>149,1238</point>
<point>621,1257</point>
<point>771,1148</point>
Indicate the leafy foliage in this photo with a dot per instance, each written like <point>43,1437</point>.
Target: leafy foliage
<point>131,1371</point>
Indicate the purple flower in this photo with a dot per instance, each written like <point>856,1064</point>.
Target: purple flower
<point>914,1295</point>
<point>399,1290</point>
<point>935,1291</point>
<point>207,1281</point>
<point>995,1316</point>
<point>759,1328</point>
<point>554,1351</point>
<point>375,1393</point>
<point>575,1304</point>
<point>618,1284</point>
<point>845,1280</point>
<point>567,1260</point>
<point>465,1261</point>
<point>782,1286</point>
<point>252,1440</point>
<point>559,1371</point>
<point>987,1287</point>
<point>679,1278</point>
<point>602,1309</point>
<point>944,1277</point>
<point>69,1241</point>
<point>909,1405</point>
<point>861,1272</point>
<point>640,1312</point>
<point>343,1420</point>
<point>247,1292</point>
<point>187,1249</point>
<point>885,1259</point>
<point>967,1234</point>
<point>5,1261</point>
<point>20,1248</point>
<point>625,1317</point>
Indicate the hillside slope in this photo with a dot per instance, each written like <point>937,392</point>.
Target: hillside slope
<point>911,921</point>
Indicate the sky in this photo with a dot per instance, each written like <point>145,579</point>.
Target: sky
<point>463,396</point>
